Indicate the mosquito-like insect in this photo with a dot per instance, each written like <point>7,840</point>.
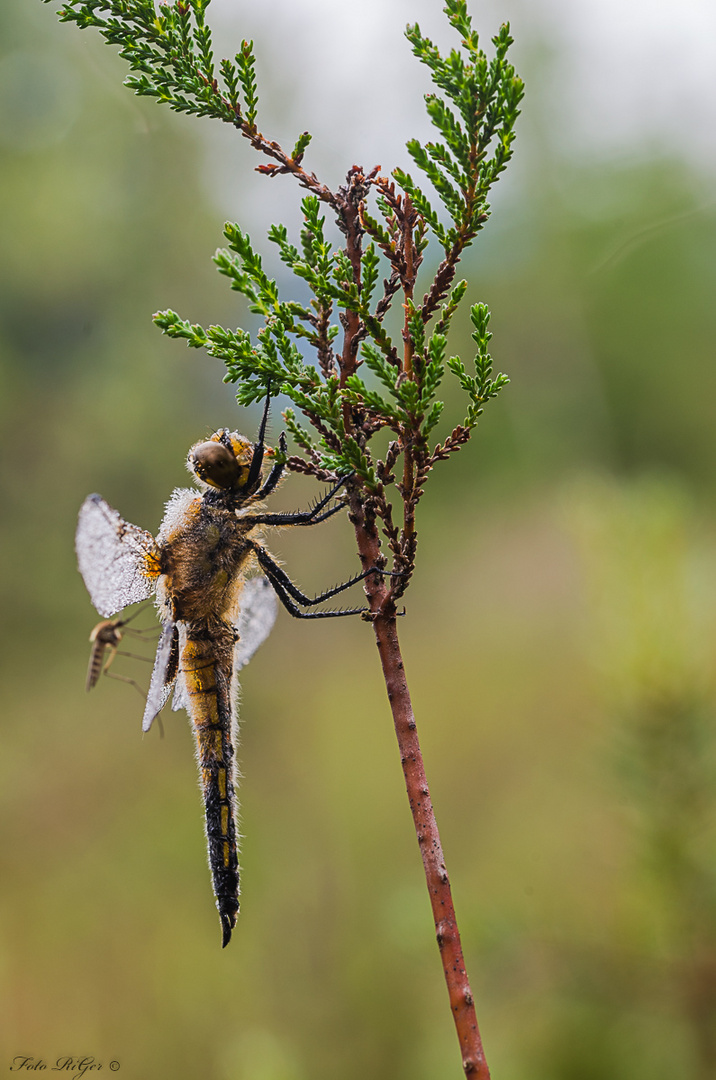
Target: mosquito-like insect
<point>106,637</point>
<point>213,618</point>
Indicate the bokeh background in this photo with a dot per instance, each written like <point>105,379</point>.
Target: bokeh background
<point>560,631</point>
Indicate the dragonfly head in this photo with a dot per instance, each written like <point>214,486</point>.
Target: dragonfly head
<point>224,462</point>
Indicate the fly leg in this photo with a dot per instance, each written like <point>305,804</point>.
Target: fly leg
<point>130,618</point>
<point>131,682</point>
<point>132,656</point>
<point>149,633</point>
<point>125,678</point>
<point>114,651</point>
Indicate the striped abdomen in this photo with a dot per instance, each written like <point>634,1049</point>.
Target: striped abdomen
<point>206,669</point>
<point>105,635</point>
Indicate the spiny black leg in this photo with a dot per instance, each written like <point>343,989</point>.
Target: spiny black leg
<point>275,475</point>
<point>305,517</point>
<point>293,609</point>
<point>300,517</point>
<point>287,592</point>
<point>279,574</point>
<point>258,455</point>
<point>327,498</point>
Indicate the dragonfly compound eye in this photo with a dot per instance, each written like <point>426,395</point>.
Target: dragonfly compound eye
<point>214,464</point>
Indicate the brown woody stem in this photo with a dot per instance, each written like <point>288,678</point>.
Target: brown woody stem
<point>421,807</point>
<point>382,607</point>
<point>436,875</point>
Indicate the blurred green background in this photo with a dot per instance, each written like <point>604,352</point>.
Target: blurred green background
<point>560,629</point>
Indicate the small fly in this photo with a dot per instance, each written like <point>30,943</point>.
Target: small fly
<point>215,586</point>
<point>106,637</point>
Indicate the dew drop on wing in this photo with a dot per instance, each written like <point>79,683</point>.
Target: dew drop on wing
<point>113,557</point>
<point>257,614</point>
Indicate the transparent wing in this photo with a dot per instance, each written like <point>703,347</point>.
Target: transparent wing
<point>256,618</point>
<point>118,561</point>
<point>180,700</point>
<point>164,674</point>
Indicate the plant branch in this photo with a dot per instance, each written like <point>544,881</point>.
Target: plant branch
<point>426,828</point>
<point>474,110</point>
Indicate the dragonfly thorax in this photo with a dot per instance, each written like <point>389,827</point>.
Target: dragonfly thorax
<point>205,552</point>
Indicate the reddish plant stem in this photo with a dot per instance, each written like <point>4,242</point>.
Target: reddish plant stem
<point>436,875</point>
<point>382,608</point>
<point>421,807</point>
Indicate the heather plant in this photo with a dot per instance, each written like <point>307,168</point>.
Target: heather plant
<point>364,403</point>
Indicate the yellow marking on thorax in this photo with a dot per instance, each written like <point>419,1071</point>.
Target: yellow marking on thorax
<point>151,568</point>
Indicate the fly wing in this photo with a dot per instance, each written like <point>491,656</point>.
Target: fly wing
<point>163,675</point>
<point>118,561</point>
<point>256,618</point>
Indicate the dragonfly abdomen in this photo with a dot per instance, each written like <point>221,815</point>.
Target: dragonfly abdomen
<point>206,669</point>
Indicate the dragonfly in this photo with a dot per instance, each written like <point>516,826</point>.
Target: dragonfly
<point>215,586</point>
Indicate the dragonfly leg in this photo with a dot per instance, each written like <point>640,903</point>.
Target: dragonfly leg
<point>258,455</point>
<point>294,600</point>
<point>274,476</point>
<point>313,516</point>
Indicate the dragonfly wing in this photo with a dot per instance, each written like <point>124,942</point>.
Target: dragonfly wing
<point>118,561</point>
<point>256,618</point>
<point>180,699</point>
<point>163,675</point>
